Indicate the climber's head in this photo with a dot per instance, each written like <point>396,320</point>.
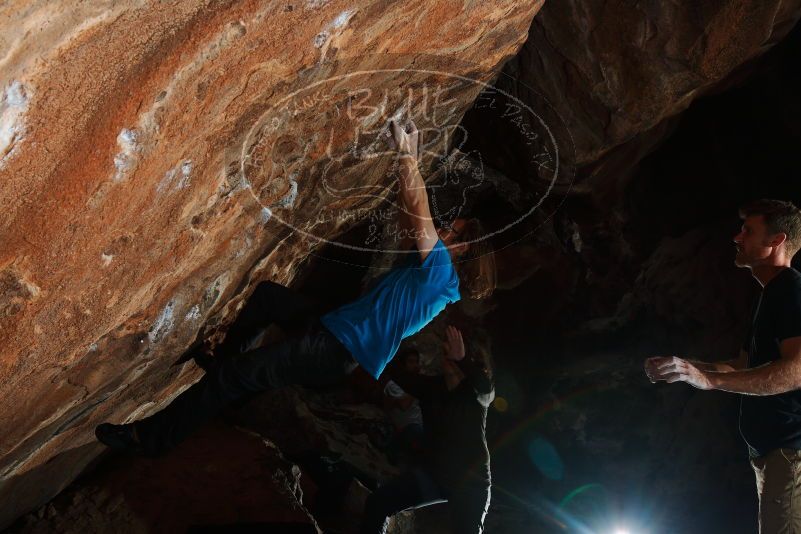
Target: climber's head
<point>472,255</point>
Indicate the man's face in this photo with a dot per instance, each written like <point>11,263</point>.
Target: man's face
<point>754,244</point>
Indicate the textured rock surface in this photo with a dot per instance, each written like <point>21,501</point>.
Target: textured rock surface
<point>145,157</point>
<point>303,424</point>
<point>337,439</point>
<point>613,70</point>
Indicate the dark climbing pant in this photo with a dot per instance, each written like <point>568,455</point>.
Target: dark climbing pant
<point>416,489</point>
<point>312,357</point>
<point>270,303</point>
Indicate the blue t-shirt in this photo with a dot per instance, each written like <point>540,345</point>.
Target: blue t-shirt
<point>398,306</point>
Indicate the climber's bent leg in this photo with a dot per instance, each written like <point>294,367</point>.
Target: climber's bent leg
<point>314,358</point>
<point>269,303</point>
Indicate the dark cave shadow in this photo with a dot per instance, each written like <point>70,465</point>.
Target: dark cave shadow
<point>247,528</point>
<point>24,493</point>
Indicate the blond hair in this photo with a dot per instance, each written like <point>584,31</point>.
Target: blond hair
<point>476,267</point>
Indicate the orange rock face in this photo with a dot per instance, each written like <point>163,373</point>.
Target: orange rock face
<point>157,159</point>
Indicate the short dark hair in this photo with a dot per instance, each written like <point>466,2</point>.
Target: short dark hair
<point>476,269</point>
<point>781,217</point>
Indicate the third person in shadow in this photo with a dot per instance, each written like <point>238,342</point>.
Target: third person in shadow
<point>456,463</point>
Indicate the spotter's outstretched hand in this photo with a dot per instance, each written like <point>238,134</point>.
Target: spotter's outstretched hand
<point>672,369</point>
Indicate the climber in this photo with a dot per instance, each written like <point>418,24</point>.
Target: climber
<point>449,263</point>
<point>767,372</point>
<point>456,466</point>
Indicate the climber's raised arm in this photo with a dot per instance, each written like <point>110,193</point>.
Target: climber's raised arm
<point>415,218</point>
<point>406,231</point>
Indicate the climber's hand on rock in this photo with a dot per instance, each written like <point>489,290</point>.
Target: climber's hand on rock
<point>406,140</point>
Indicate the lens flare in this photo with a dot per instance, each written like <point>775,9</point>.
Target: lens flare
<point>546,459</point>
<point>500,404</point>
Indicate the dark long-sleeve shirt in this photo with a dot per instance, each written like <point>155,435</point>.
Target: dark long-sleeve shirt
<point>454,423</point>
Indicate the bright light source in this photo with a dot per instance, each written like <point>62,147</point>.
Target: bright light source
<point>622,531</point>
